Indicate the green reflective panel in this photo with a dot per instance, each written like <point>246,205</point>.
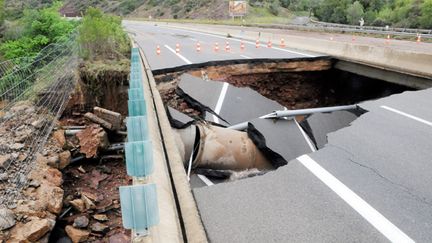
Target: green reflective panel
<point>136,94</point>
<point>137,129</point>
<point>139,158</point>
<point>139,206</point>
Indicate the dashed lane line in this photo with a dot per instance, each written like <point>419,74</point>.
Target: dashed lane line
<point>179,55</point>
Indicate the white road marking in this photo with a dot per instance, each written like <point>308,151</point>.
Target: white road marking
<point>383,225</point>
<point>407,115</point>
<point>181,57</point>
<point>244,56</point>
<point>205,180</point>
<point>220,102</point>
<point>238,40</point>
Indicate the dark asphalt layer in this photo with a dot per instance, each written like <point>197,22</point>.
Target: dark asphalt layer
<point>384,157</point>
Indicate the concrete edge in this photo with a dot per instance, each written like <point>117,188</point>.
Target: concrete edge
<point>168,229</point>
<point>194,229</point>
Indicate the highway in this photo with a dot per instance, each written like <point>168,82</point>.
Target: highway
<point>150,35</point>
<point>370,183</point>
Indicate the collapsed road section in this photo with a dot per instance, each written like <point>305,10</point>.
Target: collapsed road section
<point>204,138</point>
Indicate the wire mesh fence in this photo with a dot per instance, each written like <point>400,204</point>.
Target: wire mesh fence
<point>33,94</point>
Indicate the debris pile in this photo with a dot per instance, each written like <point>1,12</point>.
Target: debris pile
<point>82,204</point>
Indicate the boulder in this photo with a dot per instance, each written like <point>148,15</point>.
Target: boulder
<point>77,235</point>
<point>7,219</point>
<point>33,230</point>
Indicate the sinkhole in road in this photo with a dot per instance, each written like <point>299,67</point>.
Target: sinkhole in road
<point>258,87</point>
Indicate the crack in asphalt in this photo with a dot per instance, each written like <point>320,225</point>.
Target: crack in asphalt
<point>375,171</point>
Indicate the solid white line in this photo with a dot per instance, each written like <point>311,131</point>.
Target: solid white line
<point>181,57</point>
<point>306,137</point>
<point>205,180</point>
<point>220,102</point>
<point>407,115</point>
<point>244,56</point>
<point>238,40</point>
<point>383,225</point>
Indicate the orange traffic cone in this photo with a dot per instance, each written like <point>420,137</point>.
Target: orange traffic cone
<point>216,47</point>
<point>388,39</point>
<point>282,43</point>
<point>158,51</point>
<point>198,47</point>
<point>353,38</point>
<point>257,43</point>
<point>242,46</point>
<point>269,44</point>
<point>418,39</point>
<point>177,48</point>
<point>227,47</point>
<point>331,38</point>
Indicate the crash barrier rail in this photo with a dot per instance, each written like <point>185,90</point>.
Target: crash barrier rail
<point>138,202</point>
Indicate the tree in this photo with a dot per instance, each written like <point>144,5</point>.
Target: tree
<point>274,7</point>
<point>426,14</point>
<point>2,12</point>
<point>355,12</point>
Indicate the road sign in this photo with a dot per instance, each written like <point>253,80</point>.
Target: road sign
<point>237,8</point>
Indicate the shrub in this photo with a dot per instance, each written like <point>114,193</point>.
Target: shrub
<point>39,29</point>
<point>101,36</point>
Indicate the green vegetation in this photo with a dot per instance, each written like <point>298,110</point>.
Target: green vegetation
<point>37,29</point>
<point>101,36</point>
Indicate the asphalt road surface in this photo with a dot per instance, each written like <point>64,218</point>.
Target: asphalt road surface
<point>149,36</point>
<point>371,183</point>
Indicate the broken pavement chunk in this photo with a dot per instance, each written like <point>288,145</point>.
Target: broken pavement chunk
<point>318,125</point>
<point>178,119</point>
<point>280,140</point>
<point>235,105</point>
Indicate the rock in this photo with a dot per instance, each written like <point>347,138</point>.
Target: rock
<point>53,161</point>
<point>78,205</point>
<point>33,230</point>
<point>81,169</point>
<point>5,160</point>
<point>99,228</point>
<point>81,222</point>
<point>100,217</point>
<point>17,146</point>
<point>38,123</point>
<point>55,202</point>
<point>119,238</point>
<point>54,176</point>
<point>77,235</point>
<point>4,176</point>
<point>60,138</point>
<point>87,202</point>
<point>7,219</point>
<point>65,159</point>
<point>34,183</point>
<point>91,140</point>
